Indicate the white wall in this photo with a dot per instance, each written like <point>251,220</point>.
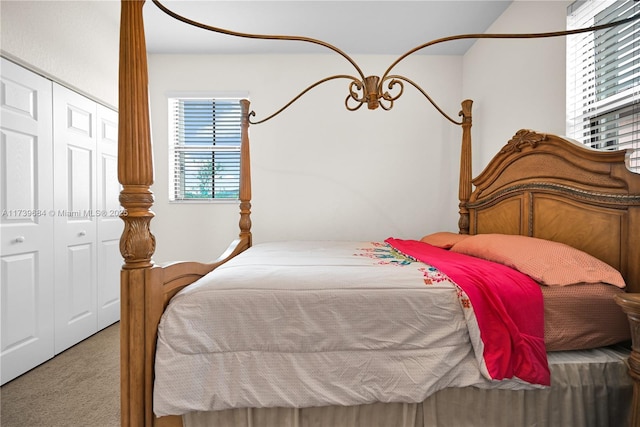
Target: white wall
<point>517,84</point>
<point>73,42</point>
<point>319,171</point>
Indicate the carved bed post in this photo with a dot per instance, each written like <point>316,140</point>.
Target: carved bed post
<point>137,244</point>
<point>464,189</point>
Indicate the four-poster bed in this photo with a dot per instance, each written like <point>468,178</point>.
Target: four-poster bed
<point>538,186</point>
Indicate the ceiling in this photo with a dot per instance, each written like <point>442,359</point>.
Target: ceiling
<point>356,27</point>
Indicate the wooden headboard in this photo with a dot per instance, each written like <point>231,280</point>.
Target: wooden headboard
<point>552,188</point>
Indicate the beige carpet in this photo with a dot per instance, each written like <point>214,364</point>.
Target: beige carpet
<point>80,387</point>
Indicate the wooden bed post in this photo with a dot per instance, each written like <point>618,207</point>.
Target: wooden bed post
<point>245,176</point>
<point>630,303</point>
<point>464,189</point>
<point>137,244</point>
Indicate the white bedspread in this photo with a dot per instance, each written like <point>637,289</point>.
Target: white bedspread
<point>301,324</point>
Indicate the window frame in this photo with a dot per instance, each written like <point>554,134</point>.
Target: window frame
<point>608,63</point>
<point>175,166</point>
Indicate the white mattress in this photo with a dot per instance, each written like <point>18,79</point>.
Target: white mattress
<point>300,324</point>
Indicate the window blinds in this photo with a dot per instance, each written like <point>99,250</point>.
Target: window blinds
<point>205,148</point>
<point>603,73</point>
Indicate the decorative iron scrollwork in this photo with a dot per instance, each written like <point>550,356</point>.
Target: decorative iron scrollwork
<point>369,89</point>
<point>370,92</point>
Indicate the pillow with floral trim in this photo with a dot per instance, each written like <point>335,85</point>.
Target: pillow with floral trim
<point>443,239</point>
<point>549,263</point>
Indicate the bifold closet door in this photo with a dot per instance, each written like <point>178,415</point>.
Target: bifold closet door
<point>26,223</point>
<point>109,224</point>
<point>75,223</point>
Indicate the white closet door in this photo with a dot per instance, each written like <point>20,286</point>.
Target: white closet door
<point>110,225</point>
<point>26,223</point>
<point>74,128</point>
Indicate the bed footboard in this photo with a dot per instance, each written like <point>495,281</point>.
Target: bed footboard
<point>148,291</point>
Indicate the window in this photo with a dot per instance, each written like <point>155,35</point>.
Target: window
<point>603,77</point>
<point>204,148</point>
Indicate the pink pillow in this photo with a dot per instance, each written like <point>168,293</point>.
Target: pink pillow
<point>443,239</point>
<point>547,262</point>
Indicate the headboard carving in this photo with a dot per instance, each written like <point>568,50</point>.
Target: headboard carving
<point>532,158</point>
<point>522,138</point>
<point>549,187</point>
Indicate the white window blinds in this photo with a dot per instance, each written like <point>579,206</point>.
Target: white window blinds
<point>205,135</point>
<point>603,74</point>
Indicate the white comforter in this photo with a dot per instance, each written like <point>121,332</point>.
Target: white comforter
<point>299,324</point>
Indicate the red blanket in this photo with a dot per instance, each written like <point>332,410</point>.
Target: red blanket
<point>508,307</point>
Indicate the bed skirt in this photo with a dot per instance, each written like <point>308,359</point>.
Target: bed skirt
<point>589,388</point>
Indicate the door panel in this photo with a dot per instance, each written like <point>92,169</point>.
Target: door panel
<point>110,225</point>
<point>26,221</point>
<point>74,127</point>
